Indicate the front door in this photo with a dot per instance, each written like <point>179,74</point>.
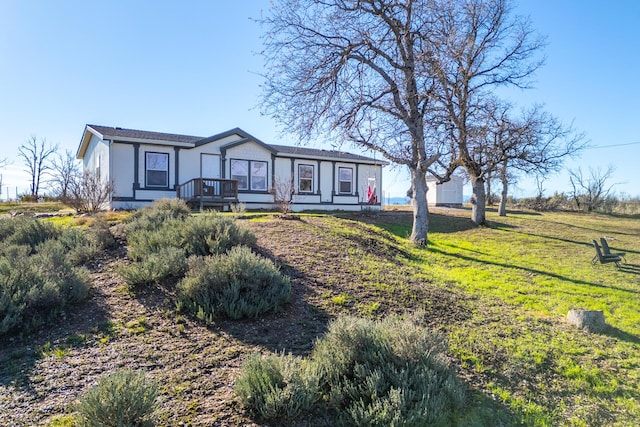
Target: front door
<point>209,166</point>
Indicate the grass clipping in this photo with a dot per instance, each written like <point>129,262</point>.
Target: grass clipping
<point>362,372</point>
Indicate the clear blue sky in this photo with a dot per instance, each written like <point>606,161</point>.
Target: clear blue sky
<point>190,67</point>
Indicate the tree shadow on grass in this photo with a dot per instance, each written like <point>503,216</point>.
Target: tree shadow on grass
<point>72,328</point>
<point>294,329</point>
<point>622,335</point>
<point>629,268</point>
<point>533,270</point>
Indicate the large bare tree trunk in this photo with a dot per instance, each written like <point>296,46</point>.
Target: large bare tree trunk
<point>420,208</point>
<point>478,201</point>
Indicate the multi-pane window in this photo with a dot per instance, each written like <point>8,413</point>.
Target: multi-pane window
<point>249,174</point>
<point>157,169</point>
<point>240,172</point>
<point>259,176</point>
<point>345,178</point>
<point>305,178</point>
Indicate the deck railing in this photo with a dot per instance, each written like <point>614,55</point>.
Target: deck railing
<point>209,192</point>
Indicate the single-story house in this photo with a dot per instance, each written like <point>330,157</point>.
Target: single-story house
<point>230,167</point>
<point>446,194</point>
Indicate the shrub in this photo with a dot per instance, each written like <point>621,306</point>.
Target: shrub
<point>390,372</point>
<point>238,284</point>
<point>386,373</point>
<point>34,288</point>
<point>143,243</point>
<point>125,398</point>
<point>79,246</point>
<point>153,217</point>
<point>276,387</point>
<point>153,268</point>
<point>26,231</point>
<point>213,235</point>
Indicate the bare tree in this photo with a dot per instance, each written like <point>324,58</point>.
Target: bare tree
<point>477,47</point>
<point>533,143</point>
<point>283,192</point>
<point>89,193</point>
<point>36,156</point>
<point>357,72</point>
<point>591,191</point>
<point>65,171</point>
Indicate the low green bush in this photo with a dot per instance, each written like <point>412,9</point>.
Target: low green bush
<point>213,235</point>
<point>79,246</point>
<point>390,372</point>
<point>142,243</point>
<point>277,387</point>
<point>167,262</point>
<point>166,234</point>
<point>26,231</point>
<point>362,372</point>
<point>154,216</point>
<point>125,398</point>
<point>237,284</point>
<point>34,288</point>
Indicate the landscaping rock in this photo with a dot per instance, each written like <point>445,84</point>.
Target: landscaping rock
<point>589,320</point>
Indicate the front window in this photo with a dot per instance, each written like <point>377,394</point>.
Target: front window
<point>240,172</point>
<point>157,169</point>
<point>305,178</point>
<point>345,176</point>
<point>259,176</point>
<point>250,174</point>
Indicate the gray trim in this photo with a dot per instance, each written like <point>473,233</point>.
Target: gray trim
<point>357,179</point>
<point>235,131</point>
<point>273,175</point>
<point>333,180</point>
<point>244,141</point>
<point>136,168</point>
<point>176,175</point>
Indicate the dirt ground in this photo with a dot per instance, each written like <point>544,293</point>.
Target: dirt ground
<point>42,375</point>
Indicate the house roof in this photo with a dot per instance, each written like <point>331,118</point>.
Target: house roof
<point>189,141</point>
<point>122,133</point>
<point>289,151</point>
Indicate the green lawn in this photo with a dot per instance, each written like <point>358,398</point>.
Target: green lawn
<point>525,272</point>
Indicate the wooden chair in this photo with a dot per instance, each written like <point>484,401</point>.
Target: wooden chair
<point>604,259</point>
<point>607,252</point>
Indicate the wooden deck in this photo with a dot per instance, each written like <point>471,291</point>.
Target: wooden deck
<point>202,193</point>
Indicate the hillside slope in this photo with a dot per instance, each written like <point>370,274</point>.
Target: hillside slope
<point>511,356</point>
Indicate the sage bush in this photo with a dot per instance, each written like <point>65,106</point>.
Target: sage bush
<point>124,399</point>
<point>40,274</point>
<point>236,284</point>
<point>391,372</point>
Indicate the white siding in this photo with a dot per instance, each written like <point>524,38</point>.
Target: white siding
<point>326,177</point>
<point>122,168</point>
<point>446,194</point>
<point>97,155</point>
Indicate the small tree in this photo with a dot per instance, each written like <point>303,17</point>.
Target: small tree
<point>283,191</point>
<point>592,191</point>
<point>89,193</point>
<point>36,156</point>
<point>65,170</point>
